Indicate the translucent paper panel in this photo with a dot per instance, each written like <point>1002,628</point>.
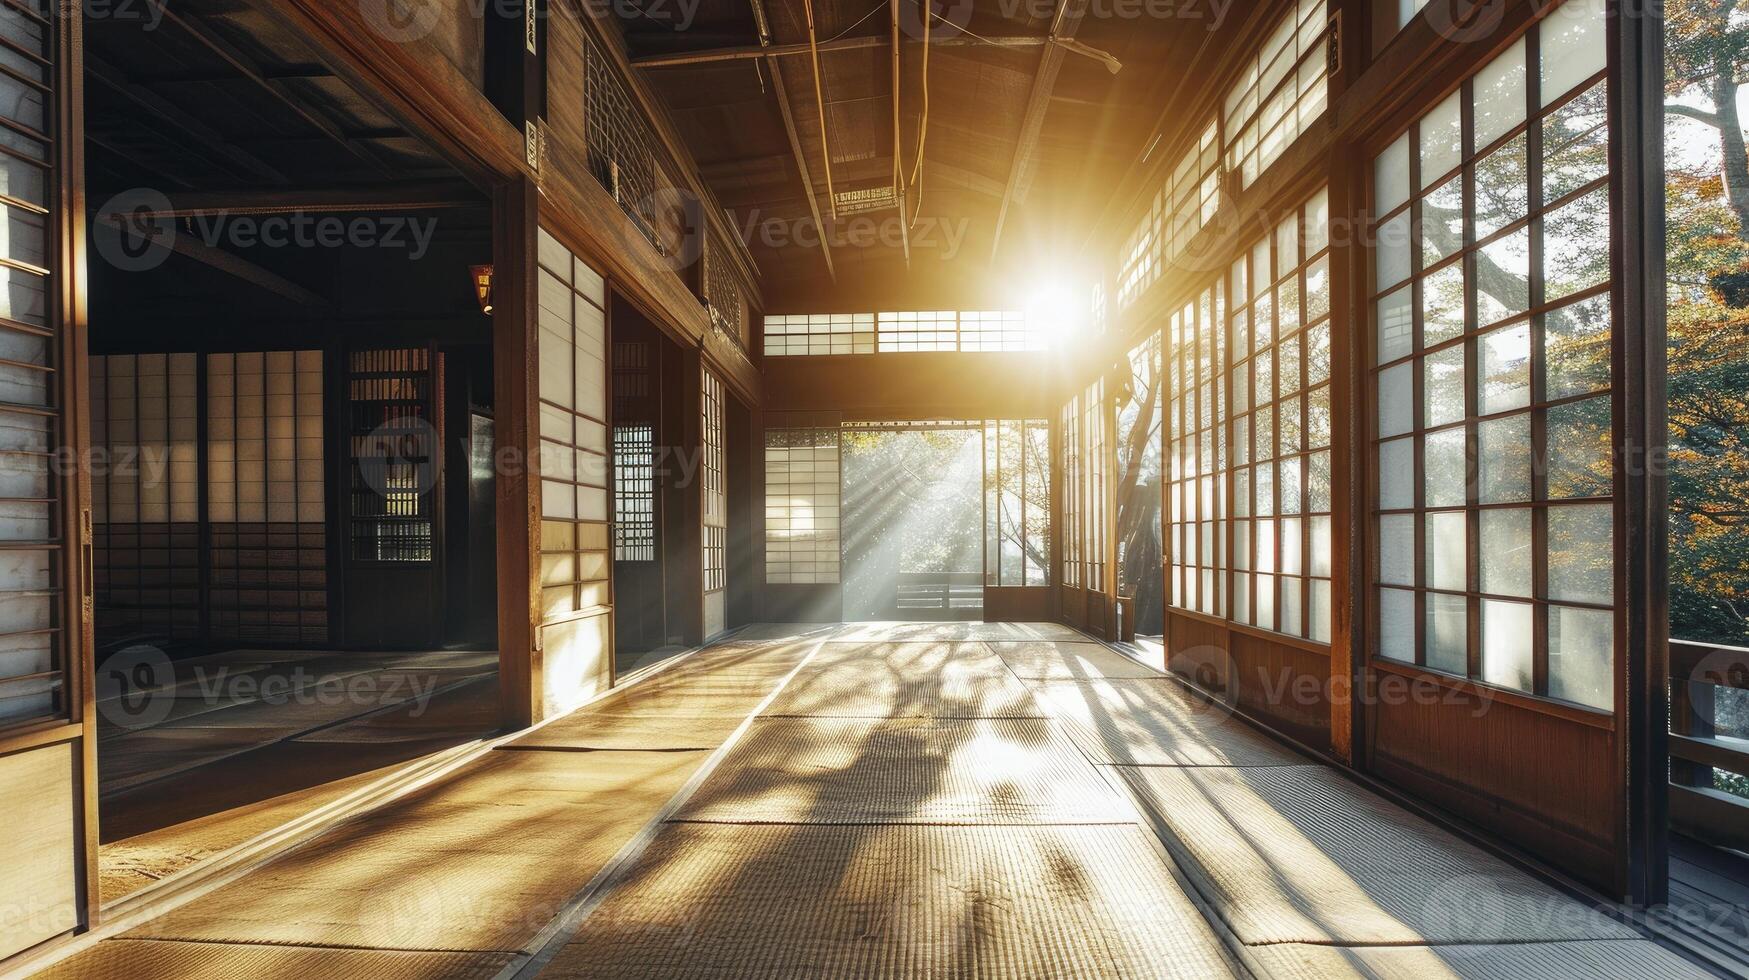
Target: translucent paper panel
<point>1582,656</point>
<point>1502,187</point>
<point>1442,305</point>
<point>1396,400</point>
<point>1508,632</point>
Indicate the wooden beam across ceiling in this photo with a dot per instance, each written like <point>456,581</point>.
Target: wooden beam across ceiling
<point>795,142</point>
<point>1063,28</point>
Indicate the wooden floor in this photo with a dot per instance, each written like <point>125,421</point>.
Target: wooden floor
<point>888,800</point>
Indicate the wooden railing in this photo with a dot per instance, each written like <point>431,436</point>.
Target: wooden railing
<point>938,595</point>
<point>1698,749</point>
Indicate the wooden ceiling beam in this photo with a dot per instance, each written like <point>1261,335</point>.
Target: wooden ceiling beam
<point>232,265</point>
<point>750,52</point>
<point>275,87</point>
<point>202,138</point>
<point>795,146</point>
<point>1063,28</point>
<point>434,196</point>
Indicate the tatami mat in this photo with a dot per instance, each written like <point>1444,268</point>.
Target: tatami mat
<point>900,632</point>
<point>1298,854</point>
<point>899,688</point>
<point>1158,723</point>
<point>1601,960</point>
<point>593,730</point>
<point>481,861</point>
<point>130,959</point>
<point>1046,660</point>
<point>806,902</point>
<point>865,770</point>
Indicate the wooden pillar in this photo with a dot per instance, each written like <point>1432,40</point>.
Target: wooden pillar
<point>1636,39</point>
<point>516,430</point>
<point>688,601</point>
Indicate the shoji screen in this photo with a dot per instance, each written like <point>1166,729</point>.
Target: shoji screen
<point>145,498</point>
<point>1072,492</point>
<point>716,502</point>
<point>802,494</point>
<point>575,564</point>
<point>1094,469</point>
<point>265,498</point>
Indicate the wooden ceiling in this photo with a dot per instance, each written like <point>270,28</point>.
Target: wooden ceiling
<point>1025,140</point>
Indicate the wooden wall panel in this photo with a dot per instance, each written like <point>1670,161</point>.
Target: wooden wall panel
<point>39,877</point>
<point>1279,684</point>
<point>915,385</point>
<point>1017,604</point>
<point>1545,783</point>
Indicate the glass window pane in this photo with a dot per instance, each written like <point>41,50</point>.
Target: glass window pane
<point>1442,222</point>
<point>1442,139</point>
<point>1507,633</point>
<point>1503,278</point>
<point>1442,305</point>
<point>1396,400</point>
<point>1397,549</point>
<point>1506,552</point>
<point>1576,144</point>
<point>1392,251</point>
<point>1499,96</point>
<point>1448,633</point>
<point>1448,551</point>
<point>1573,46</point>
<point>1505,369</point>
<point>1580,447</point>
<point>1397,625</point>
<point>1445,468</point>
<point>1576,350</point>
<point>1391,176</point>
<point>1576,245</point>
<point>1581,554</point>
<point>1503,459</point>
<point>1396,326</point>
<point>1445,386</point>
<point>1582,656</point>
<point>1503,187</point>
<point>1397,474</point>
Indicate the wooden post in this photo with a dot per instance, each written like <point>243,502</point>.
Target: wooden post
<point>515,352</point>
